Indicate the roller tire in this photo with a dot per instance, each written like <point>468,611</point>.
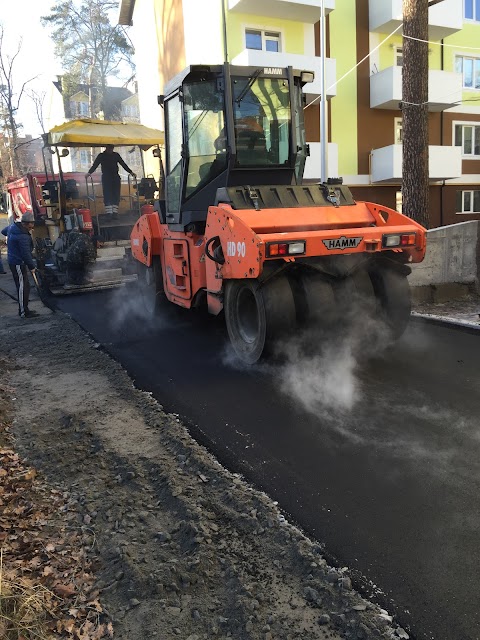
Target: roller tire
<point>393,293</point>
<point>257,315</point>
<point>150,287</point>
<point>319,303</point>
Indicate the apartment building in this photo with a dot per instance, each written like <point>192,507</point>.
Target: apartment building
<point>370,145</point>
<point>363,82</point>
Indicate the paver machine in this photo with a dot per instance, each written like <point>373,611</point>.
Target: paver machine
<point>65,203</point>
<point>239,231</point>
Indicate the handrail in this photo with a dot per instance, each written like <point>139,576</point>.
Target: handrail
<point>92,198</point>
<point>137,196</point>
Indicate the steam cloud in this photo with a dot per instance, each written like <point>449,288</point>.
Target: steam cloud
<point>131,309</point>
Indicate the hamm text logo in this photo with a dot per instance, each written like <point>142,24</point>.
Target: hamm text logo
<point>342,243</point>
<point>271,71</point>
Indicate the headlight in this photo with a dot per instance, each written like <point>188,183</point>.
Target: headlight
<point>399,240</point>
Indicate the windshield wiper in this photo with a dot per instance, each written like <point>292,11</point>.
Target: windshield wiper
<point>249,85</point>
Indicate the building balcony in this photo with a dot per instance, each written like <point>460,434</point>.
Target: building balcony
<point>299,10</point>
<point>444,18</point>
<point>444,163</point>
<point>255,58</point>
<point>313,165</point>
<point>444,89</point>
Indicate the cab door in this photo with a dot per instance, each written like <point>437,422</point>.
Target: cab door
<point>177,268</point>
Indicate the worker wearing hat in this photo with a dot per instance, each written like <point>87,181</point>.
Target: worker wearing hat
<point>109,161</point>
<point>20,259</point>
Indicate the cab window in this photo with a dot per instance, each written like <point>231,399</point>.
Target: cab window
<point>261,120</point>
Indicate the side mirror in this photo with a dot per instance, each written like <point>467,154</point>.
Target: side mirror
<point>157,153</point>
<point>65,153</point>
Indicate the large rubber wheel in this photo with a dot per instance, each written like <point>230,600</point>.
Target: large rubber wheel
<point>393,293</point>
<point>318,302</point>
<point>150,287</point>
<point>257,315</point>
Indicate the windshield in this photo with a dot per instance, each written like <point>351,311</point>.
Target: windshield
<point>262,121</point>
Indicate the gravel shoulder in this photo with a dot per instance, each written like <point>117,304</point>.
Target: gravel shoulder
<point>163,542</point>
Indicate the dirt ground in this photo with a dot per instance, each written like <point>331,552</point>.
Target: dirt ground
<point>134,530</point>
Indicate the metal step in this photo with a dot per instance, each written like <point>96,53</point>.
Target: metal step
<point>114,252</point>
<point>115,243</point>
<point>98,275</point>
<point>92,286</point>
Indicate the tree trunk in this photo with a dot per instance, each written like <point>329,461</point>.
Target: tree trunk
<point>415,184</point>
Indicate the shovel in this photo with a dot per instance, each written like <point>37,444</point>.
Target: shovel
<point>41,293</point>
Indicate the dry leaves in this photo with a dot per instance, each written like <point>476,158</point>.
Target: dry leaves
<point>45,565</point>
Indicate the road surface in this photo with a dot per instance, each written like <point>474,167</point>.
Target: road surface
<point>375,456</point>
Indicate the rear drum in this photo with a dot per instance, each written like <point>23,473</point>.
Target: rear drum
<point>150,286</point>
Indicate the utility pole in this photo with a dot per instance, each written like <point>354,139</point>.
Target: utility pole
<point>323,104</point>
<point>415,183</point>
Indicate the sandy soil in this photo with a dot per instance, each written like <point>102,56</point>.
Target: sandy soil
<point>174,545</point>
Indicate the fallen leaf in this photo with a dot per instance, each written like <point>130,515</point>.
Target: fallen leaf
<point>64,590</point>
<point>30,475</point>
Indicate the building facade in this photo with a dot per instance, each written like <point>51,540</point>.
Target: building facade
<point>65,103</point>
<point>363,82</point>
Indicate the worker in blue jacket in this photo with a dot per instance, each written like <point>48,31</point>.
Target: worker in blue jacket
<point>20,260</point>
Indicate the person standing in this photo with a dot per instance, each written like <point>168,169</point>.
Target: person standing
<point>109,161</point>
<point>20,260</point>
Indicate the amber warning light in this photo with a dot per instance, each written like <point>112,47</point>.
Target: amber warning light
<point>280,249</point>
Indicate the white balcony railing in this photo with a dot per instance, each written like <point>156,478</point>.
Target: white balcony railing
<point>313,166</point>
<point>444,89</point>
<point>299,10</point>
<point>254,58</point>
<point>444,18</point>
<point>444,163</point>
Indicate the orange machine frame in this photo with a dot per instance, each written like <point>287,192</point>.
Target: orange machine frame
<point>244,235</point>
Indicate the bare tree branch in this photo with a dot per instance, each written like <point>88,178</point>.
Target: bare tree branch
<point>10,100</point>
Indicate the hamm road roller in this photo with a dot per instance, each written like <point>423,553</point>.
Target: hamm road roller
<point>240,233</point>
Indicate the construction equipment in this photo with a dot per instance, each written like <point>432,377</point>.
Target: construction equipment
<point>66,202</point>
<point>240,232</point>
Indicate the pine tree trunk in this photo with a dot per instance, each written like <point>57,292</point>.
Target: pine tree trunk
<point>415,184</point>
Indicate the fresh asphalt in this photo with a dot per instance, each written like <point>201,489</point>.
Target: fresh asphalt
<point>389,486</point>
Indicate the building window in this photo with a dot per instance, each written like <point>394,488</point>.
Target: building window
<point>262,40</point>
<point>130,110</point>
<point>472,10</point>
<point>84,157</point>
<point>467,136</point>
<point>398,201</point>
<point>79,108</point>
<point>468,201</point>
<point>398,56</point>
<point>470,70</point>
<point>398,131</point>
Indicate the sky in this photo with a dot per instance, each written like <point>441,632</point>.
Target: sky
<point>21,22</point>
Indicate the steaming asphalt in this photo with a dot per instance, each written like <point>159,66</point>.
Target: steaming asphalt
<point>391,486</point>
